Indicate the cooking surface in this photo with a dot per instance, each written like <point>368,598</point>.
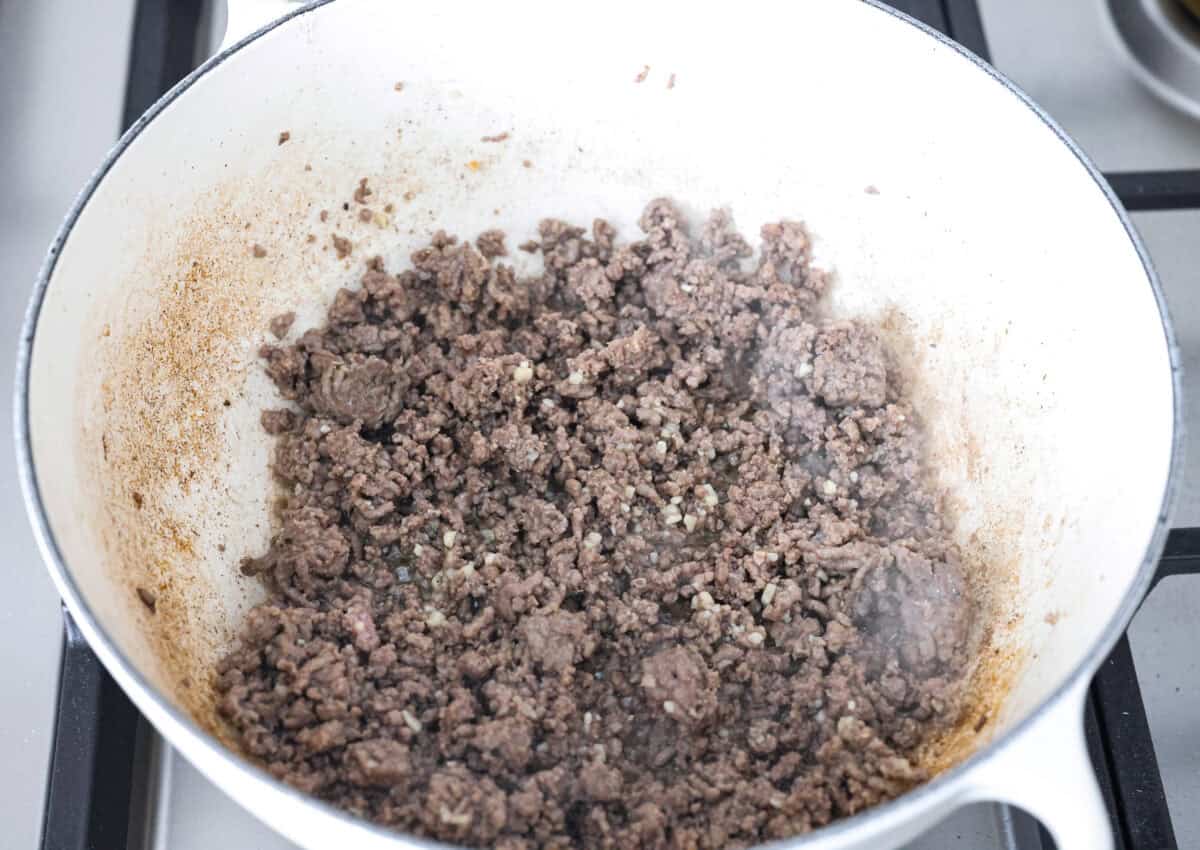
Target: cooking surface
<point>1063,54</point>
<point>62,80</point>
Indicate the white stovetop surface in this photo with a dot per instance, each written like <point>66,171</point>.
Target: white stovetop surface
<point>62,78</point>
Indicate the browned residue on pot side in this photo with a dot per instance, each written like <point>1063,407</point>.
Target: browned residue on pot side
<point>998,663</point>
<point>991,555</point>
<point>162,402</point>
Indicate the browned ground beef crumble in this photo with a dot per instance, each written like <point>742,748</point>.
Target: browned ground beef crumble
<point>636,552</point>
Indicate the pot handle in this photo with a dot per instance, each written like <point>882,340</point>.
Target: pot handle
<point>243,17</point>
<point>1046,770</point>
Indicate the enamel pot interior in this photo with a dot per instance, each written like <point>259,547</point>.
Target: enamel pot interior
<point>1007,283</point>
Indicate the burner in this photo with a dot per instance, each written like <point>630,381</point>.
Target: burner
<point>1162,41</point>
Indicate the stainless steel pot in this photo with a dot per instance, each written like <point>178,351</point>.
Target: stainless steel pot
<point>1008,278</point>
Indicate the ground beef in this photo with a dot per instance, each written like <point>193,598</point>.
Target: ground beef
<point>281,324</point>
<point>636,552</point>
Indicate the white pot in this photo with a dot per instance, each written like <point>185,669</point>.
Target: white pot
<point>1008,277</point>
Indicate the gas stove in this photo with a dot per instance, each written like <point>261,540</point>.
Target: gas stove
<point>112,783</point>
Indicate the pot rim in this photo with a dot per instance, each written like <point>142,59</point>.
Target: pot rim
<point>185,728</point>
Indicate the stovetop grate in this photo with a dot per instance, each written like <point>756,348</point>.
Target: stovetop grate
<point>97,792</point>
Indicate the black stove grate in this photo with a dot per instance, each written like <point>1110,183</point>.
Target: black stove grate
<point>97,791</point>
